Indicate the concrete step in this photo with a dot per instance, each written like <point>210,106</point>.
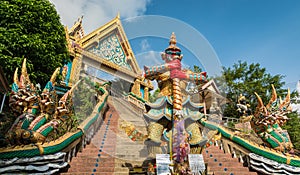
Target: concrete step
<point>221,163</point>
<point>221,159</point>
<point>233,173</point>
<point>98,157</point>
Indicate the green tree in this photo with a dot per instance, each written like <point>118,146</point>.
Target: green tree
<point>293,127</point>
<point>197,69</point>
<point>246,79</point>
<point>154,96</point>
<point>31,29</point>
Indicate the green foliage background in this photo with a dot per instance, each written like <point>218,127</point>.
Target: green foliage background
<point>31,29</point>
<point>84,99</point>
<point>244,78</point>
<point>293,128</point>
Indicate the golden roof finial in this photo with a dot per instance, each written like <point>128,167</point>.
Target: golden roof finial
<point>172,42</point>
<point>173,39</point>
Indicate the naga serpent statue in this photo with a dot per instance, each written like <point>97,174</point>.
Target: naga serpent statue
<point>173,115</point>
<point>38,114</point>
<point>269,119</point>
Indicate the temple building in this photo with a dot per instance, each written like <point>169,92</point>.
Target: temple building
<point>107,50</point>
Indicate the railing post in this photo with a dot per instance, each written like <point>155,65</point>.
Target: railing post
<point>216,143</point>
<point>233,153</point>
<point>226,147</point>
<point>4,95</point>
<point>221,145</point>
<point>241,158</point>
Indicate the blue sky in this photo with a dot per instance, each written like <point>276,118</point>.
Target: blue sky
<point>257,31</point>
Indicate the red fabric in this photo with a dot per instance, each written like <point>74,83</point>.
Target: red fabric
<point>176,73</point>
<point>174,64</point>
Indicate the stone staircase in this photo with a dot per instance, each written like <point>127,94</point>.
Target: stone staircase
<point>99,157</point>
<point>131,154</point>
<point>111,152</point>
<point>220,163</point>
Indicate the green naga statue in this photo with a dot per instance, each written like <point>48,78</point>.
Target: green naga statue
<point>37,113</point>
<point>173,117</point>
<point>269,119</point>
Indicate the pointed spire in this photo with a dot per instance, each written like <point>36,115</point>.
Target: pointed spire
<point>173,39</point>
<point>260,104</point>
<point>54,75</point>
<point>15,85</point>
<point>51,83</point>
<point>26,79</point>
<point>172,43</point>
<point>80,19</point>
<point>16,80</point>
<point>274,97</point>
<point>286,101</point>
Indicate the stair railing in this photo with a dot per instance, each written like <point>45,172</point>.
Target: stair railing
<point>236,151</point>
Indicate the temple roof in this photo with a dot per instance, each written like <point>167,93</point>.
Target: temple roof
<point>209,92</point>
<point>108,47</point>
<point>105,41</point>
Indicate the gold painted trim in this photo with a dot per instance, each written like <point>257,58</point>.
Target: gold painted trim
<point>41,148</point>
<point>288,159</point>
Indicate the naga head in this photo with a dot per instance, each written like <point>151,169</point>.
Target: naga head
<point>270,118</point>
<point>275,111</point>
<point>23,96</point>
<point>48,96</point>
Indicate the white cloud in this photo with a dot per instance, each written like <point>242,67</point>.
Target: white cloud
<point>97,12</point>
<point>144,45</point>
<point>149,58</point>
